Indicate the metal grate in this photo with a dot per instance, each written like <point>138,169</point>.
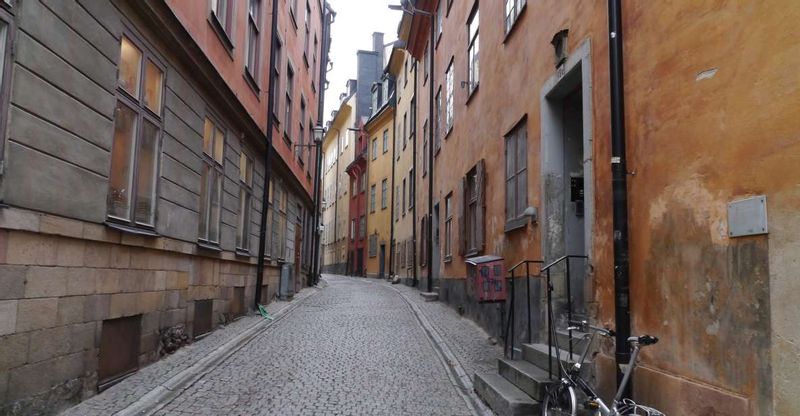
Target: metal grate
<point>202,317</point>
<point>119,350</point>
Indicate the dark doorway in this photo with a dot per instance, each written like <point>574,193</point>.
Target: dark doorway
<point>119,350</point>
<point>382,262</point>
<point>360,262</point>
<point>202,317</point>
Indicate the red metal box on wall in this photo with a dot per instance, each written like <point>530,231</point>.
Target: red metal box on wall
<point>486,278</point>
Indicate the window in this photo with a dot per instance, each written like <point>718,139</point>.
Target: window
<point>385,141</point>
<point>373,245</point>
<point>404,197</point>
<point>384,193</point>
<point>314,66</point>
<point>513,9</point>
<point>289,94</point>
<point>405,130</point>
<point>279,222</point>
<point>363,180</point>
<point>306,40</point>
<point>353,187</point>
<point>412,127</point>
<point>397,203</point>
<point>448,227</point>
<point>423,241</point>
<point>473,49</point>
<point>362,228</point>
<point>437,127</point>
<point>471,224</point>
<point>374,148</point>
<point>137,133</point>
<point>245,201</point>
<point>449,99</point>
<point>439,21</point>
<point>222,10</point>
<point>516,176</point>
<point>372,196</point>
<point>410,188</point>
<point>425,148</point>
<point>7,30</point>
<point>276,80</point>
<point>302,134</point>
<point>211,185</point>
<point>353,229</point>
<point>253,38</point>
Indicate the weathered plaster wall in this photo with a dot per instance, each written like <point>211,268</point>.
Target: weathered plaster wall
<point>708,89</point>
<point>378,170</point>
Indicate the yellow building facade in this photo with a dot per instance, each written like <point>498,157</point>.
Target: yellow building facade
<point>402,67</point>
<point>380,129</point>
<point>338,152</point>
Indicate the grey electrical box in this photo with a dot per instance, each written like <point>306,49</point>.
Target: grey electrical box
<point>748,217</point>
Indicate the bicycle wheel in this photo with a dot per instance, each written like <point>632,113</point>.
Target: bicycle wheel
<point>559,400</point>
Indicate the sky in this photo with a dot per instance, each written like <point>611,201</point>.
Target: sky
<point>352,30</point>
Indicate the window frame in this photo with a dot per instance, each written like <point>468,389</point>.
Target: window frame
<point>374,148</point>
<point>143,113</point>
<point>289,102</point>
<point>7,17</point>
<point>223,30</point>
<point>517,134</point>
<point>253,22</point>
<point>385,140</point>
<point>449,99</point>
<point>437,133</point>
<point>373,190</point>
<point>411,184</point>
<point>448,228</point>
<point>276,95</point>
<point>473,50</point>
<point>509,23</point>
<point>245,189</point>
<point>384,194</point>
<point>205,203</point>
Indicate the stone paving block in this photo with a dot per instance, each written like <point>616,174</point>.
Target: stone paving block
<point>3,386</point>
<point>14,350</point>
<point>108,280</point>
<point>123,304</point>
<point>30,248</point>
<point>97,307</point>
<point>83,337</point>
<point>8,316</point>
<point>71,309</point>
<point>52,224</point>
<point>12,282</point>
<point>120,257</point>
<point>35,314</point>
<point>42,282</point>
<point>49,343</point>
<point>97,255</point>
<point>81,281</point>
<point>99,232</point>
<point>70,252</point>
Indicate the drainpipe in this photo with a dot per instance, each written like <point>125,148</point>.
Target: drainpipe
<point>328,16</point>
<point>262,231</point>
<point>431,144</point>
<point>414,178</point>
<point>620,191</point>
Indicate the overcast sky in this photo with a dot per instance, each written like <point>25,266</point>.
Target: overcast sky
<point>356,20</point>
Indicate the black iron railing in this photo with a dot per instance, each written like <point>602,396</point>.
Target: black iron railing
<point>509,332</point>
<point>552,336</point>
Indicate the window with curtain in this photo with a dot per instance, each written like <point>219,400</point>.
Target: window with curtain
<point>137,134</point>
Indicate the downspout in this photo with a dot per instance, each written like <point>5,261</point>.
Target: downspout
<point>391,209</point>
<point>262,232</point>
<point>327,19</point>
<point>432,52</point>
<point>414,280</point>
<point>620,191</point>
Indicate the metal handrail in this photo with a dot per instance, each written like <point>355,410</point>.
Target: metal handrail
<point>511,320</point>
<point>551,335</point>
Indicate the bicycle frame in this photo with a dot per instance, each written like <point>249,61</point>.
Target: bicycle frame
<point>573,377</point>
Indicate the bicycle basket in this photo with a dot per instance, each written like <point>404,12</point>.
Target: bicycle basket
<point>630,408</point>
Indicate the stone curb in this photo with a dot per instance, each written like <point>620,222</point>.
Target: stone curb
<point>163,394</point>
<point>458,376</point>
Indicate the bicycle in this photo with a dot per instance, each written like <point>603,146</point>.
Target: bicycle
<point>561,397</point>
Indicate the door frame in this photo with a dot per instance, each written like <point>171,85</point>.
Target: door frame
<point>578,67</point>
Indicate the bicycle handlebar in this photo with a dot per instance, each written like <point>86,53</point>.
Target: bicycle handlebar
<point>643,340</point>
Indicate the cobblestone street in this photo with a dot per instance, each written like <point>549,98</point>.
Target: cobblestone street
<point>356,347</point>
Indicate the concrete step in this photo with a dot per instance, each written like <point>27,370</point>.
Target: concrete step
<point>504,398</point>
<point>430,296</point>
<point>539,355</point>
<point>526,376</point>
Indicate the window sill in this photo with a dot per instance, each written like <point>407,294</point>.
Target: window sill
<point>205,245</point>
<point>514,25</point>
<point>146,232</point>
<point>221,34</point>
<point>305,60</point>
<point>241,252</point>
<point>472,93</point>
<point>248,78</point>
<point>447,134</point>
<point>471,253</point>
<point>448,259</point>
<point>515,224</point>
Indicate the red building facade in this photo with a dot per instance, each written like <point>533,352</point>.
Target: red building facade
<point>357,170</point>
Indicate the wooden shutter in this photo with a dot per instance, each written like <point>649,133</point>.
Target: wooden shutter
<point>480,206</point>
<point>462,208</point>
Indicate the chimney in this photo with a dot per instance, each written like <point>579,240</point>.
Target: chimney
<point>352,85</point>
<point>377,46</point>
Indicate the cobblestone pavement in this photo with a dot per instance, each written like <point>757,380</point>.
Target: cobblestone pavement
<point>134,387</point>
<point>355,348</point>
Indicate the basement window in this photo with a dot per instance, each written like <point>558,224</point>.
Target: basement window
<point>119,350</point>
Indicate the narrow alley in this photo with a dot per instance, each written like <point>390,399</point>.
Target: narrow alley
<point>355,347</point>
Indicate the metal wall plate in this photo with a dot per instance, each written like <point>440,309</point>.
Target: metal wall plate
<point>748,216</point>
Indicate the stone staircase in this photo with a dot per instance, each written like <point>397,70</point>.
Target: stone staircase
<point>517,388</point>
